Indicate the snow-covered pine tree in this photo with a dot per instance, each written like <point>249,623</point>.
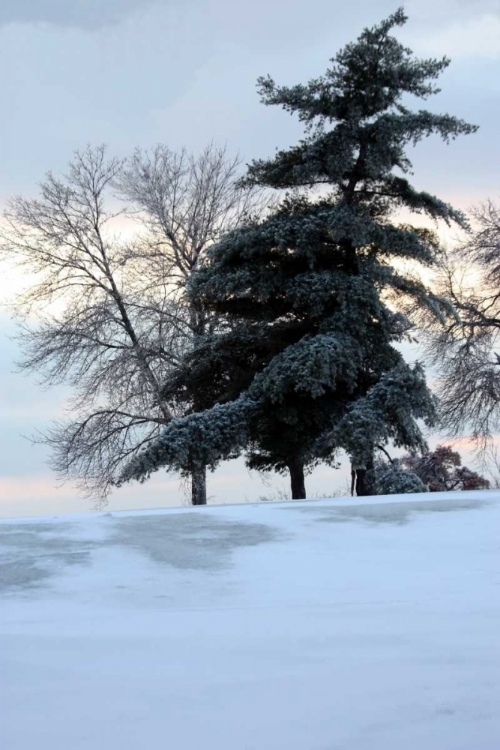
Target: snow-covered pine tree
<point>305,361</point>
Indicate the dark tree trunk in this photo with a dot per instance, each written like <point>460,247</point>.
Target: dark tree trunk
<point>361,483</point>
<point>199,485</point>
<point>296,469</point>
<point>364,480</point>
<point>198,473</point>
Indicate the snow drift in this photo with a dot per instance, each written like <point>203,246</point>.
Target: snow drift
<point>326,625</point>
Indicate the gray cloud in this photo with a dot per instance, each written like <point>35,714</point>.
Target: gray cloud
<point>95,14</point>
<point>82,13</point>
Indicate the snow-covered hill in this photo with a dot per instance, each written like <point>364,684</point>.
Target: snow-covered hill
<point>324,625</point>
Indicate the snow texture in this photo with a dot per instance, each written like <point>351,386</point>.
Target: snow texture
<point>324,625</point>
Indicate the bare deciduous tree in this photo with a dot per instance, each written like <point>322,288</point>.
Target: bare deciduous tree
<point>466,351</point>
<point>185,203</point>
<point>107,314</point>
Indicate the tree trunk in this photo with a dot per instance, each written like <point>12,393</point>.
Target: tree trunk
<point>198,473</point>
<point>296,469</point>
<point>199,485</point>
<point>364,480</point>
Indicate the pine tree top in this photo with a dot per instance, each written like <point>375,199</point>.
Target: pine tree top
<point>358,124</point>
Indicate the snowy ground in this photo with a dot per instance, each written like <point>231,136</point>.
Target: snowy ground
<point>296,626</point>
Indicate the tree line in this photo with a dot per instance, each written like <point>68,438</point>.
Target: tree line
<point>200,313</point>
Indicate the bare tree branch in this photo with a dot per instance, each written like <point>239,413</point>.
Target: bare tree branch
<point>466,352</point>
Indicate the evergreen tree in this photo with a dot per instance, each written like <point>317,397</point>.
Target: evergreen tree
<point>305,362</point>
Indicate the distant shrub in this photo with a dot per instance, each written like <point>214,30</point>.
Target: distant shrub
<point>392,479</point>
<point>442,471</point>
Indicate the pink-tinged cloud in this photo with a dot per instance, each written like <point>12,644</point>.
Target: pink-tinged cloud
<point>41,495</point>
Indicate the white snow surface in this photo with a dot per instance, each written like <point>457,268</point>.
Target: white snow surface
<point>326,625</point>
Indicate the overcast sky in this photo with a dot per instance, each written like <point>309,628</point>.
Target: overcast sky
<point>183,72</point>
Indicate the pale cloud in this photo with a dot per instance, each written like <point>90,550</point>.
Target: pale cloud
<point>446,12</point>
<point>15,488</point>
<point>41,494</point>
<point>476,38</point>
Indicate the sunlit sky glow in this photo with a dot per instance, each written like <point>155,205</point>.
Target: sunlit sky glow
<point>182,72</point>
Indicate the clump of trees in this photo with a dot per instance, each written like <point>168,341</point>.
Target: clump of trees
<point>312,300</point>
<point>219,322</point>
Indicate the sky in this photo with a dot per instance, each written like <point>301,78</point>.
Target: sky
<point>182,72</point>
